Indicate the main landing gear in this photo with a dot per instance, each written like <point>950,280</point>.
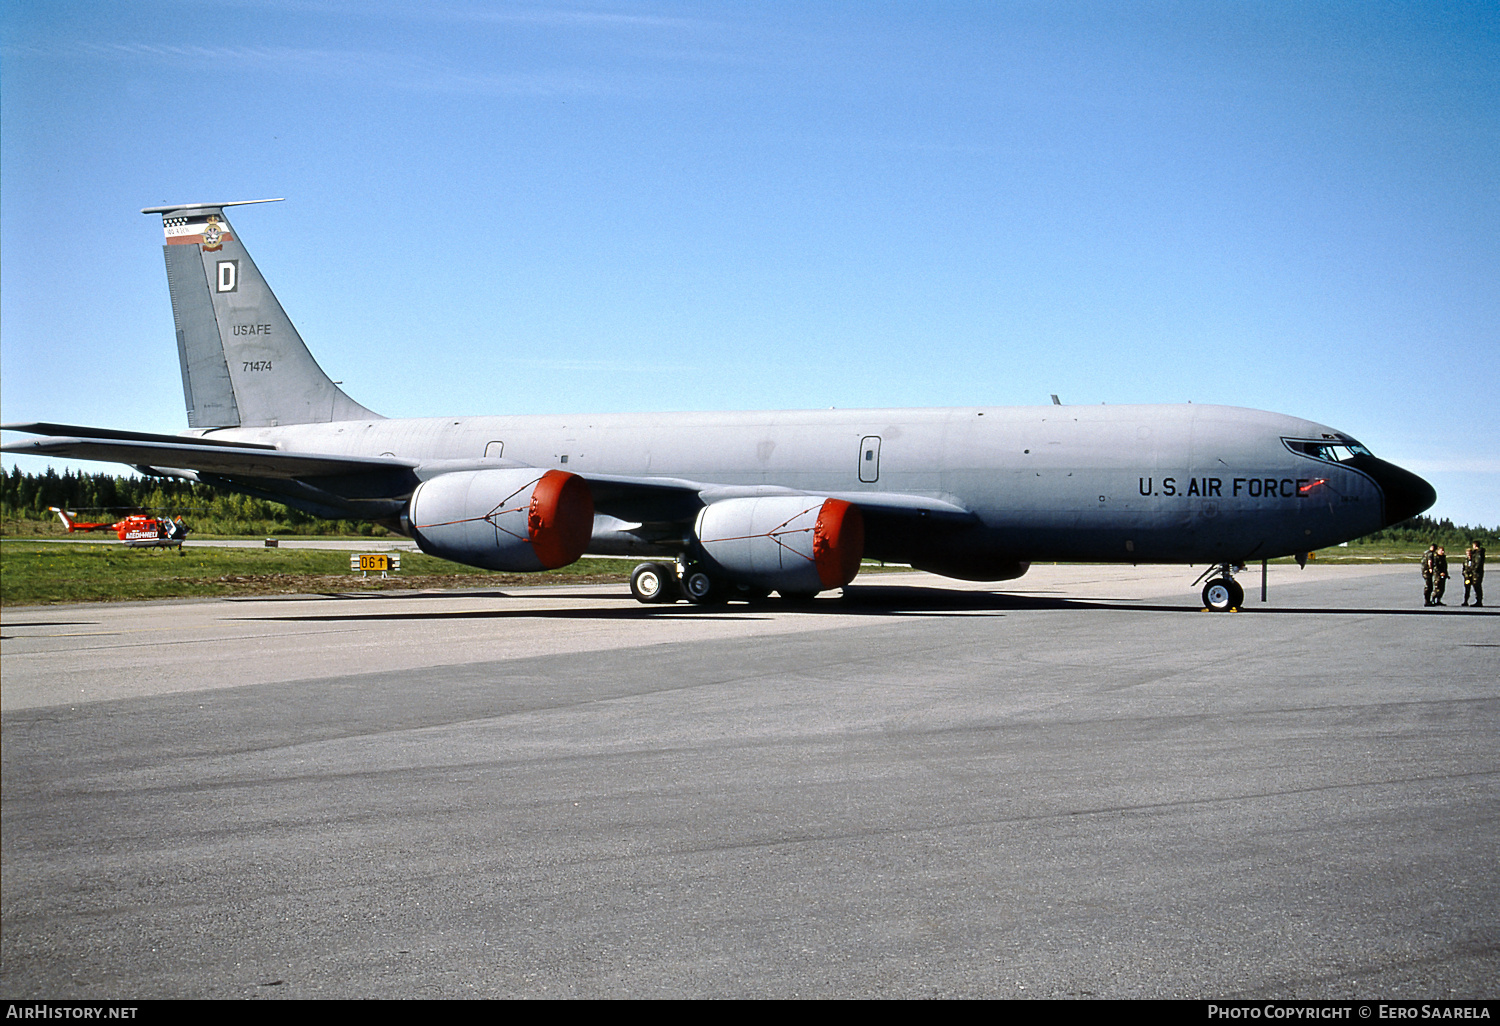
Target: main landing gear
<point>667,582</point>
<point>1222,593</point>
<point>654,583</point>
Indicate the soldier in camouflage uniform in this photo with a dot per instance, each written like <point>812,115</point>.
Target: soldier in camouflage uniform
<point>1439,576</point>
<point>1429,562</point>
<point>1474,573</point>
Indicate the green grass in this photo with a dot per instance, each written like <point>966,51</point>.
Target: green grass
<point>41,573</point>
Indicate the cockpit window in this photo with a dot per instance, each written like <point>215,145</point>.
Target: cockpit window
<point>1337,450</point>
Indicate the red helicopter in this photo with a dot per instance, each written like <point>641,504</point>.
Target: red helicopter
<point>137,531</point>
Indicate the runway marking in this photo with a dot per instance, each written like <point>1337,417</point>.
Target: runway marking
<point>483,614</point>
<point>85,634</point>
<point>51,623</point>
<point>217,639</point>
<point>105,634</point>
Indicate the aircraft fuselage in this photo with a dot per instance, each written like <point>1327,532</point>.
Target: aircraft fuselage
<point>1179,483</point>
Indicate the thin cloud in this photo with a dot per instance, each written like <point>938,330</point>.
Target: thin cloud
<point>572,18</point>
<point>397,71</point>
<point>560,15</point>
<point>601,366</point>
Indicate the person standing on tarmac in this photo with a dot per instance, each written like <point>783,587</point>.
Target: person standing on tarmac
<point>1439,576</point>
<point>1474,573</point>
<point>1429,563</point>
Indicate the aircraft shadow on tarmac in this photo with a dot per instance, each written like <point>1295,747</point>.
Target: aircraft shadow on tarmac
<point>873,601</point>
<point>868,601</point>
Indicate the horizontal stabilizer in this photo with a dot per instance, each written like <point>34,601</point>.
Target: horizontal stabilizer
<point>206,206</point>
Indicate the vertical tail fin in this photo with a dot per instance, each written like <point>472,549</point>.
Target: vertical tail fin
<point>243,363</point>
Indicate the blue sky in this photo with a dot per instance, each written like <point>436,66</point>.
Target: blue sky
<point>593,206</point>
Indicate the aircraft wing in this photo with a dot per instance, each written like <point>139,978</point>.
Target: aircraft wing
<point>629,498</point>
<point>666,498</point>
<point>900,504</point>
<point>233,460</point>
<point>82,431</point>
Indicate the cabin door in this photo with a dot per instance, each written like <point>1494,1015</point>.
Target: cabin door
<point>869,459</point>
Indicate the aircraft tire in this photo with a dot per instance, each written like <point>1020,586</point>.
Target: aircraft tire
<point>652,582</point>
<point>702,590</point>
<point>1221,594</point>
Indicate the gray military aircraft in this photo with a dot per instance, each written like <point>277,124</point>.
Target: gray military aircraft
<point>737,504</point>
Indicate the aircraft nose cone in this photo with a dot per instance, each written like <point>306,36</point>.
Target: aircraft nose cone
<point>1406,494</point>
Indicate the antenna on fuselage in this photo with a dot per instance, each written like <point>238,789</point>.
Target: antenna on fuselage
<point>1055,400</point>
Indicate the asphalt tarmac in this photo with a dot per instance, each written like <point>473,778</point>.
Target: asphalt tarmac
<point>1082,786</point>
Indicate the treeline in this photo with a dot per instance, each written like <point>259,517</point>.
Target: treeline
<point>1423,531</point>
<point>24,499</point>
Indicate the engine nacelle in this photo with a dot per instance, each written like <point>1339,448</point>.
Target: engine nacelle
<point>509,519</point>
<point>791,543</point>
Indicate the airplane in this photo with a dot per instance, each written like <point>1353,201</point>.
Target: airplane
<point>737,505</point>
<point>137,531</point>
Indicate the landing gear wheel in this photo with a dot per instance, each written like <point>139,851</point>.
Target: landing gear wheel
<point>702,589</point>
<point>1222,594</point>
<point>653,582</point>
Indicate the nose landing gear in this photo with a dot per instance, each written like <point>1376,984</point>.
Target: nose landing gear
<point>1222,594</point>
